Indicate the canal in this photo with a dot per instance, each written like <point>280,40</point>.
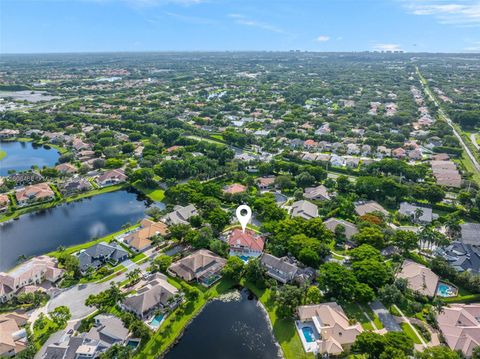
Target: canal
<point>234,328</point>
<point>68,224</point>
<point>22,155</point>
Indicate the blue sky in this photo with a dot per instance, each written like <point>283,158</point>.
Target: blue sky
<point>33,26</point>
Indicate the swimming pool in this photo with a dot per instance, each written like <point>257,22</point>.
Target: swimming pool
<point>309,334</point>
<point>133,344</point>
<point>156,320</point>
<point>446,290</point>
<point>244,258</point>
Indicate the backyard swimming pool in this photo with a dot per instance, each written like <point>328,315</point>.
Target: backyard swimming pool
<point>157,320</point>
<point>309,334</point>
<point>446,290</point>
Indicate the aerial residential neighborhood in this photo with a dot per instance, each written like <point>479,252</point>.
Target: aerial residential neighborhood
<point>240,179</point>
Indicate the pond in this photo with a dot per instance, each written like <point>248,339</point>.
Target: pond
<point>235,329</point>
<point>21,156</point>
<point>68,224</point>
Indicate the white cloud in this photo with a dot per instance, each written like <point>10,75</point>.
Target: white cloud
<point>387,47</point>
<point>455,12</point>
<point>243,20</point>
<point>322,38</point>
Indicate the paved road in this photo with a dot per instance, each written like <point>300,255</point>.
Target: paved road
<point>385,317</point>
<point>75,296</point>
<point>447,119</point>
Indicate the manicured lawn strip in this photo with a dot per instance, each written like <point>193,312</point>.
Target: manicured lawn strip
<point>155,194</point>
<point>107,238</point>
<point>283,329</point>
<point>112,276</point>
<point>409,331</point>
<point>139,257</point>
<point>176,322</point>
<point>3,154</point>
<point>354,311</point>
<point>467,162</point>
<point>96,192</point>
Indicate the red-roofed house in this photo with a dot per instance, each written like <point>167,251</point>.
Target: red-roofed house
<point>234,188</point>
<point>248,243</point>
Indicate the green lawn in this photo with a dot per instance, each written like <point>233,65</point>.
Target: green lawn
<point>356,311</point>
<point>409,331</point>
<point>283,329</point>
<point>3,154</point>
<point>470,168</point>
<point>155,194</point>
<point>96,192</point>
<point>107,238</point>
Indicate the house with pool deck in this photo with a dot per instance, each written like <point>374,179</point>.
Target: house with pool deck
<point>245,244</point>
<point>325,328</point>
<point>203,266</point>
<point>157,293</point>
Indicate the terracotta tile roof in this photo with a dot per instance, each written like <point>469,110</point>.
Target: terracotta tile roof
<point>248,239</point>
<point>460,326</point>
<point>234,188</point>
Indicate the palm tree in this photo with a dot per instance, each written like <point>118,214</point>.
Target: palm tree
<point>418,214</point>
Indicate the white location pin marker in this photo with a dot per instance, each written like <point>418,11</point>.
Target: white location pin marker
<point>244,218</point>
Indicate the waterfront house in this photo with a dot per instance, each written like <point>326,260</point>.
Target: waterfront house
<point>319,193</point>
<point>75,185</point>
<point>156,293</point>
<point>304,209</point>
<point>8,133</point>
<point>4,202</point>
<point>420,278</point>
<point>180,215</point>
<point>13,338</point>
<point>99,254</point>
<point>245,244</point>
<point>350,228</point>
<point>30,273</point>
<point>40,192</point>
<point>66,168</point>
<point>460,326</point>
<point>203,266</point>
<point>140,238</point>
<point>325,328</point>
<point>362,208</point>
<point>24,178</point>
<point>111,177</point>
<point>280,269</point>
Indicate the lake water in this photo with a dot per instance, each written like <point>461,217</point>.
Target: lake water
<point>68,224</point>
<point>237,329</point>
<point>22,155</point>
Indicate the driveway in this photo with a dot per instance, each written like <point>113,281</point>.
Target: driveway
<point>75,296</point>
<point>385,317</point>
